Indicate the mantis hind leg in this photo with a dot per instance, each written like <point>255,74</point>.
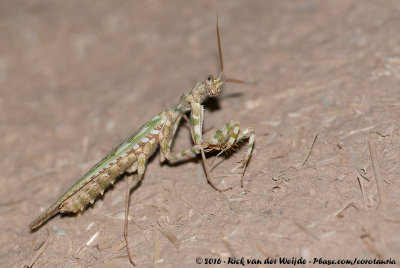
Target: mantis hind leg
<point>140,166</point>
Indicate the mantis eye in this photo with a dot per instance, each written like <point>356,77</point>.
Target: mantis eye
<point>209,79</point>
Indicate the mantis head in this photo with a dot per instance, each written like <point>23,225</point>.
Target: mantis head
<point>213,85</point>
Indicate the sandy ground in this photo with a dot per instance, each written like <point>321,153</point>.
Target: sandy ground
<point>77,77</point>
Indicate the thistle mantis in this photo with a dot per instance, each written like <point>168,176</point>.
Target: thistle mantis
<point>132,154</point>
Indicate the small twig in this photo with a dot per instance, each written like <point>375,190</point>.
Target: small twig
<point>300,137</point>
<point>360,171</point>
<point>39,252</point>
<point>90,241</point>
<point>228,245</point>
<point>309,152</point>
<point>301,227</point>
<point>369,242</point>
<point>168,234</point>
<point>340,211</point>
<point>226,175</point>
<point>363,192</point>
<point>190,205</point>
<point>377,171</point>
<point>156,247</point>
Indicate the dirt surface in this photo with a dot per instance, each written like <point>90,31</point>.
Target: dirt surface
<point>78,77</point>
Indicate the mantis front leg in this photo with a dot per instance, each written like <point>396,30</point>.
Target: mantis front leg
<point>222,140</point>
<point>196,129</point>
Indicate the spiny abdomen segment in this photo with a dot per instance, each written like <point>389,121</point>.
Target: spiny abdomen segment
<point>88,193</point>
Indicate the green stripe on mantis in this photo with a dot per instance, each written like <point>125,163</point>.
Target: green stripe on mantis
<point>112,157</point>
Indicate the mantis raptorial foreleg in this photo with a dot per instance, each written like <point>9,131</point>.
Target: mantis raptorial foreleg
<point>222,140</point>
<point>230,135</point>
<point>140,166</point>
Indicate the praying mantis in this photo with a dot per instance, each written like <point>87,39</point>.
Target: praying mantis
<point>132,154</point>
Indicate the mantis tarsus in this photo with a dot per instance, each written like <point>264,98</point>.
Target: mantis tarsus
<point>131,155</point>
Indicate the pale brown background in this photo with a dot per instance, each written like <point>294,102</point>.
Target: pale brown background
<point>77,77</point>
